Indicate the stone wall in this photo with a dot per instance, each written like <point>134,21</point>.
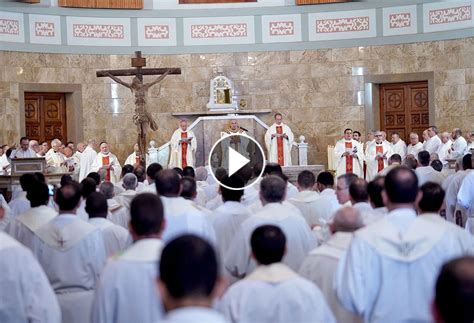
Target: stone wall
<point>316,90</point>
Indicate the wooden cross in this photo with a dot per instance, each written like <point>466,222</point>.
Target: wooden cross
<point>142,118</point>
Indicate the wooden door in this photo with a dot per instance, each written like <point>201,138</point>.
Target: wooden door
<point>45,116</point>
<point>404,108</point>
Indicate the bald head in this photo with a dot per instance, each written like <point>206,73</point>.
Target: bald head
<point>347,219</point>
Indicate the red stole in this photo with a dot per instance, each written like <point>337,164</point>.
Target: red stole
<point>184,150</point>
<point>281,159</point>
<point>105,162</point>
<point>137,159</point>
<point>349,159</point>
<point>380,163</point>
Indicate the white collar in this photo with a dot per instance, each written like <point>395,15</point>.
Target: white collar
<point>144,250</point>
<point>273,273</point>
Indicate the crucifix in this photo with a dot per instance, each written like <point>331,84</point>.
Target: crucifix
<point>142,118</point>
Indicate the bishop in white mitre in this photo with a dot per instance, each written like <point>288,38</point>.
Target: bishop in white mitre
<point>273,292</point>
<point>24,226</point>
<point>126,291</point>
<point>279,140</point>
<point>88,157</point>
<point>26,295</point>
<point>349,155</point>
<point>72,254</point>
<point>388,258</point>
<point>238,261</point>
<point>183,146</point>
<point>107,164</point>
<point>377,156</point>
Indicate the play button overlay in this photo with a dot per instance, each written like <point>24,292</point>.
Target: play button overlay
<point>237,155</point>
<point>236,161</point>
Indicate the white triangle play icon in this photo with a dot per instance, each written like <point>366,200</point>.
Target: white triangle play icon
<point>236,161</point>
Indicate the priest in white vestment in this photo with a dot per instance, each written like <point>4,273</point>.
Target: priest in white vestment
<point>181,215</point>
<point>278,141</point>
<point>425,172</point>
<point>238,261</point>
<point>349,155</point>
<point>26,295</point>
<point>118,214</point>
<point>444,148</point>
<point>306,200</point>
<point>72,254</point>
<point>359,197</point>
<point>87,159</point>
<point>327,203</point>
<point>398,145</point>
<point>273,292</point>
<point>107,164</point>
<point>129,184</point>
<point>415,145</point>
<point>228,217</point>
<point>183,146</point>
<point>234,140</point>
<point>24,226</point>
<point>189,281</point>
<point>377,156</point>
<point>433,142</point>
<point>5,216</point>
<point>321,263</point>
<point>389,271</point>
<point>55,159</point>
<point>134,158</point>
<point>466,199</point>
<point>127,291</point>
<point>116,238</point>
<point>459,144</point>
<point>470,144</point>
<point>25,151</point>
<point>76,158</point>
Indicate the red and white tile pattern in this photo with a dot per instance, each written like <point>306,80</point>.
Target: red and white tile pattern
<point>399,20</point>
<point>45,29</point>
<point>98,31</point>
<point>221,30</point>
<point>281,28</point>
<point>156,31</point>
<point>342,25</point>
<point>11,27</point>
<point>447,16</point>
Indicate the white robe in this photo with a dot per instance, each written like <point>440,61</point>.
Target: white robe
<point>23,227</point>
<point>452,191</point>
<point>76,158</point>
<point>470,146</point>
<point>400,148</point>
<point>275,293</point>
<point>87,159</point>
<point>20,153</point>
<point>227,219</point>
<point>193,314</point>
<point>299,238</point>
<point>443,152</point>
<point>72,254</point>
<point>414,149</point>
<point>132,159</point>
<point>428,174</point>
<point>320,267</point>
<point>26,295</point>
<point>272,144</point>
<point>127,288</point>
<point>182,217</point>
<point>458,148</point>
<point>113,161</point>
<point>116,238</point>
<point>176,150</point>
<point>307,203</point>
<point>372,163</point>
<point>125,198</point>
<point>19,205</point>
<point>466,194</point>
<point>214,203</point>
<point>387,259</point>
<point>118,214</point>
<point>369,215</point>
<point>357,160</point>
<point>432,144</point>
<point>56,161</point>
<point>5,168</point>
<point>7,216</point>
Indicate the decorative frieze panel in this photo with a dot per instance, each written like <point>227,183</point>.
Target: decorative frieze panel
<point>45,29</point>
<point>399,20</point>
<point>11,27</point>
<point>282,28</point>
<point>98,31</point>
<point>156,31</point>
<point>447,16</point>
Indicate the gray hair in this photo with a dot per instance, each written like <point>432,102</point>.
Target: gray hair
<point>108,189</point>
<point>201,173</point>
<point>272,189</point>
<point>130,181</point>
<point>55,142</point>
<point>347,219</point>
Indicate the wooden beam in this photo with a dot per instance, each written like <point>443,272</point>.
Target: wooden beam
<point>144,71</point>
